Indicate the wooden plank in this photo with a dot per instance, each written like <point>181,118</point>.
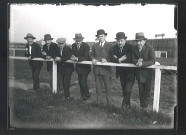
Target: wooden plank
<point>104,64</point>
<point>157,85</point>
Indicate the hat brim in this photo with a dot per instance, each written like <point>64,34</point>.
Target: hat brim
<point>101,34</point>
<point>48,39</point>
<point>78,39</point>
<point>121,38</point>
<point>29,37</point>
<point>140,39</point>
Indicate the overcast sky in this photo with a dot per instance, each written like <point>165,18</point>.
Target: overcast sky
<point>65,21</point>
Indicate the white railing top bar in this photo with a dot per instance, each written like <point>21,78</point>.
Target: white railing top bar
<point>157,65</point>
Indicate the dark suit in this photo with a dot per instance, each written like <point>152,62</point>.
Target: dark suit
<point>35,65</point>
<point>81,69</point>
<point>126,74</point>
<point>102,73</point>
<point>51,51</point>
<point>64,69</point>
<point>144,76</point>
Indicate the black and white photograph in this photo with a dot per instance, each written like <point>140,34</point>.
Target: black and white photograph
<point>78,66</point>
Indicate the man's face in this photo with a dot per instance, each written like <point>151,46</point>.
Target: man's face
<point>30,40</point>
<point>61,44</point>
<point>121,42</point>
<point>101,38</point>
<point>140,43</point>
<point>79,42</point>
<point>48,42</point>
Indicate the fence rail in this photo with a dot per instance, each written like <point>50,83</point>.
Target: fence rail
<point>157,68</point>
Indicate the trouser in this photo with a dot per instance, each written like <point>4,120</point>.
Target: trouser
<point>35,76</point>
<point>144,93</point>
<point>126,85</point>
<point>84,90</point>
<point>65,78</point>
<point>107,84</point>
<point>50,72</point>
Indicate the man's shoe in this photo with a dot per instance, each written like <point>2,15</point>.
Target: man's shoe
<point>145,109</point>
<point>125,107</point>
<point>67,99</point>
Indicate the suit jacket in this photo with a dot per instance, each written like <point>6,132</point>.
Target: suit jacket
<point>35,53</point>
<point>128,73</point>
<point>148,55</point>
<point>66,54</point>
<point>98,53</point>
<point>83,55</point>
<point>52,51</point>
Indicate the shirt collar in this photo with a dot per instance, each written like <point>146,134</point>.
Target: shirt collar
<point>31,44</point>
<point>102,43</point>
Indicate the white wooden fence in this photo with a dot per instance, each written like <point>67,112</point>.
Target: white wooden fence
<point>157,68</point>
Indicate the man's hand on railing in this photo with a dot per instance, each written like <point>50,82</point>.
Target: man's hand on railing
<point>124,57</point>
<point>74,58</point>
<point>29,58</point>
<point>103,60</point>
<point>57,59</point>
<point>48,57</point>
<point>94,61</point>
<point>139,64</point>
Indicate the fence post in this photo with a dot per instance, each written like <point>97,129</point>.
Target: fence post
<point>13,52</point>
<point>157,88</point>
<point>54,77</point>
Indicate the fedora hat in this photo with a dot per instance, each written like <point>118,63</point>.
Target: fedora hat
<point>120,35</point>
<point>61,40</point>
<point>100,32</point>
<point>78,37</point>
<point>140,36</point>
<point>47,37</point>
<point>29,35</point>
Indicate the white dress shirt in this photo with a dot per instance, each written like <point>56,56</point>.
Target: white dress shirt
<point>102,44</point>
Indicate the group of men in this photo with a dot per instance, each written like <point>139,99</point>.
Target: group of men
<point>141,54</point>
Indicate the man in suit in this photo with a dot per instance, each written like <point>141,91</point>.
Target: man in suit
<point>80,51</point>
<point>143,55</point>
<point>102,52</point>
<point>64,69</point>
<point>122,53</point>
<point>33,50</point>
<point>50,49</point>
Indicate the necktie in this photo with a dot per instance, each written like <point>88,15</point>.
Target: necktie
<point>78,47</point>
<point>120,49</point>
<point>30,48</point>
<point>48,47</point>
<point>61,50</point>
<point>101,44</point>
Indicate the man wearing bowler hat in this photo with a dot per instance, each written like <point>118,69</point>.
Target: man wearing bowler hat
<point>50,50</point>
<point>33,50</point>
<point>80,51</point>
<point>102,52</point>
<point>143,55</point>
<point>64,69</point>
<point>122,53</point>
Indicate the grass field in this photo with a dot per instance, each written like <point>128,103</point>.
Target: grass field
<point>44,109</point>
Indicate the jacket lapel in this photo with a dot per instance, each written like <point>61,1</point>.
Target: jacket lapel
<point>143,51</point>
<point>137,51</point>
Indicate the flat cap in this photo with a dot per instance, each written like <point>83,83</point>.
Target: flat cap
<point>61,40</point>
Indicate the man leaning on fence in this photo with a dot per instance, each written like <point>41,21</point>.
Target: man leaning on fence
<point>50,50</point>
<point>33,50</point>
<point>80,51</point>
<point>143,55</point>
<point>102,52</point>
<point>64,69</point>
<point>122,53</point>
